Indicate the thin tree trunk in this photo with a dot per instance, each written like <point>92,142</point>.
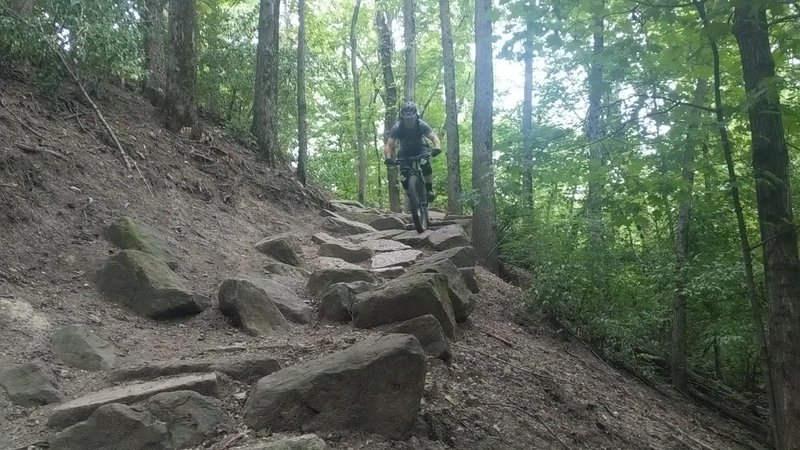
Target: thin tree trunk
<point>775,217</point>
<point>410,40</point>
<point>362,160</point>
<point>756,313</point>
<point>527,121</point>
<point>679,300</point>
<point>265,100</point>
<point>483,217</point>
<point>180,105</point>
<point>451,108</point>
<point>390,101</point>
<point>302,106</point>
<point>594,131</point>
<point>154,38</point>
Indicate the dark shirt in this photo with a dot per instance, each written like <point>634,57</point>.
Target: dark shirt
<point>411,139</point>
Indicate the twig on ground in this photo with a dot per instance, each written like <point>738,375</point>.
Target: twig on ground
<point>534,417</point>
<point>8,185</point>
<point>31,149</point>
<point>25,125</point>
<point>229,441</point>
<point>490,334</point>
<point>696,441</point>
<point>508,363</point>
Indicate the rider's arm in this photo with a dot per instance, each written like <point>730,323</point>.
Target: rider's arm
<point>435,139</point>
<point>388,150</point>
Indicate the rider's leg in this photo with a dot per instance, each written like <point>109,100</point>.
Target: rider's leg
<point>427,172</point>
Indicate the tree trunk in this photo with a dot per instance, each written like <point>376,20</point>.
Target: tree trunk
<point>483,216</point>
<point>362,160</point>
<point>410,40</point>
<point>527,121</point>
<point>678,353</point>
<point>775,218</point>
<point>154,37</point>
<point>594,131</point>
<point>451,108</point>
<point>390,101</point>
<point>302,107</point>
<point>265,100</point>
<point>179,104</point>
<point>756,313</point>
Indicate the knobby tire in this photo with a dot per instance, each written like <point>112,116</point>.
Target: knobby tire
<point>417,202</point>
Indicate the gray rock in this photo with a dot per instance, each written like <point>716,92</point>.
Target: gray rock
<point>242,370</point>
<point>250,308</point>
<point>81,408</point>
<point>375,386</point>
<point>326,262</point>
<point>336,300</point>
<point>460,296</point>
<point>21,324</point>
<point>304,442</point>
<point>190,418</point>
<point>470,279</point>
<point>130,234</point>
<point>409,296</point>
<point>146,285</point>
<point>78,346</point>
<point>324,238</point>
<point>448,237</point>
<point>340,225</point>
<point>384,234</point>
<point>429,333</point>
<point>114,427</point>
<point>390,272</point>
<point>347,202</point>
<point>321,279</point>
<point>461,256</point>
<point>352,253</point>
<point>288,302</point>
<point>284,247</point>
<point>388,223</point>
<point>396,258</point>
<point>385,245</point>
<point>413,238</point>
<point>279,268</point>
<point>29,384</point>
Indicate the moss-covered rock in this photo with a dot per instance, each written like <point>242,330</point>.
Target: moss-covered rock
<point>130,234</point>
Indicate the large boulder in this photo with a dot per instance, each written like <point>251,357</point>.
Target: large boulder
<point>342,226</point>
<point>191,418</point>
<point>284,247</point>
<point>243,370</point>
<point>130,234</point>
<point>429,333</point>
<point>413,238</point>
<point>81,408</point>
<point>460,296</point>
<point>115,426</point>
<point>460,256</point>
<point>78,346</point>
<point>336,300</point>
<point>288,302</point>
<point>145,284</point>
<point>30,384</point>
<point>352,253</point>
<point>448,237</point>
<point>375,386</point>
<point>388,223</point>
<point>397,258</point>
<point>406,297</point>
<point>251,308</point>
<point>321,279</point>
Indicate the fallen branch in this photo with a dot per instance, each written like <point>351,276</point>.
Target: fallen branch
<point>534,417</point>
<point>696,441</point>
<point>31,149</point>
<point>8,185</point>
<point>490,334</point>
<point>25,125</point>
<point>229,441</point>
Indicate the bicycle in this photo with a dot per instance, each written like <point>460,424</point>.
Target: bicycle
<point>416,192</point>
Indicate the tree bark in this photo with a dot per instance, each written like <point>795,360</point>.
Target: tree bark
<point>451,109</point>
<point>154,37</point>
<point>527,121</point>
<point>180,108</point>
<point>679,300</point>
<point>362,160</point>
<point>302,106</point>
<point>390,101</point>
<point>483,217</point>
<point>775,217</point>
<point>410,40</point>
<point>265,100</point>
<point>594,131</point>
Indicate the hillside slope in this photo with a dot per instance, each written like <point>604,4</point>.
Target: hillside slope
<point>61,185</point>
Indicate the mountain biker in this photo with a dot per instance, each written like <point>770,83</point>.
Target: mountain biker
<point>410,130</point>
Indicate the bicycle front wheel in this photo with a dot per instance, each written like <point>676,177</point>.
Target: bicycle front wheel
<point>418,202</point>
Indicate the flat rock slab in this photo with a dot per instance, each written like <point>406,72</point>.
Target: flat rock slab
<point>388,223</point>
<point>324,238</point>
<point>242,370</point>
<point>352,253</point>
<point>460,256</point>
<point>326,262</point>
<point>374,386</point>
<point>390,272</point>
<point>385,245</point>
<point>304,442</point>
<point>448,237</point>
<point>81,408</point>
<point>30,384</point>
<point>396,258</point>
<point>340,225</point>
<point>78,346</point>
<point>413,238</point>
<point>385,234</point>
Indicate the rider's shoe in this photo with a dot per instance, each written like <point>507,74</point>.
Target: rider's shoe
<point>431,196</point>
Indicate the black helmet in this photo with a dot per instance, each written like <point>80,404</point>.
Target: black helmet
<point>409,111</point>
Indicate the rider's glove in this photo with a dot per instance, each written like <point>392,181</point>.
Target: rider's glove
<point>389,161</point>
<point>436,151</point>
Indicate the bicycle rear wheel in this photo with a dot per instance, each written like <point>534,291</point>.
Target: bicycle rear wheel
<point>418,202</point>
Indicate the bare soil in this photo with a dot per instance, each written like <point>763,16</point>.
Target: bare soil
<point>62,183</point>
